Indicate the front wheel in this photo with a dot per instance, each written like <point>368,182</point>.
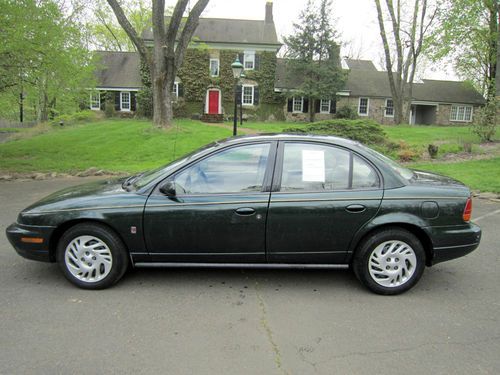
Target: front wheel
<point>92,256</point>
<point>391,261</point>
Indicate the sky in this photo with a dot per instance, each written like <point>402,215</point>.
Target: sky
<point>355,20</point>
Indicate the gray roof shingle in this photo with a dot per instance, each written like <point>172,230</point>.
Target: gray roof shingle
<point>118,70</point>
<point>364,81</point>
<point>223,30</point>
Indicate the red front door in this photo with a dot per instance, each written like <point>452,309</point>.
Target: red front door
<point>213,102</point>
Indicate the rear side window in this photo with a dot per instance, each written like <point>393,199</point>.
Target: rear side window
<point>310,167</point>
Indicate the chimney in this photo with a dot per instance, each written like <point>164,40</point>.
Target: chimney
<point>269,11</point>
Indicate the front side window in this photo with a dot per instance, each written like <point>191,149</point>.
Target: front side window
<point>363,107</point>
<point>95,100</point>
<point>248,94</point>
<point>461,113</point>
<point>249,60</point>
<point>125,101</point>
<point>236,170</point>
<point>324,106</point>
<point>389,108</point>
<point>298,104</point>
<point>214,67</point>
<point>309,167</point>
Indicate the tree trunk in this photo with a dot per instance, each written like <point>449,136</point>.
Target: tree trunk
<point>312,106</point>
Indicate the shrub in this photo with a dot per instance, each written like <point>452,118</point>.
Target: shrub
<point>347,112</point>
<point>145,102</point>
<point>433,151</point>
<point>109,109</point>
<point>485,123</point>
<point>77,117</point>
<point>364,131</point>
<point>408,154</point>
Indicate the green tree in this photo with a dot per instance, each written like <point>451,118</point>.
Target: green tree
<point>42,59</point>
<point>466,36</point>
<point>403,27</point>
<point>107,34</point>
<point>170,42</point>
<point>313,54</point>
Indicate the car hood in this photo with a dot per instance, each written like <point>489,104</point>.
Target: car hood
<point>89,194</point>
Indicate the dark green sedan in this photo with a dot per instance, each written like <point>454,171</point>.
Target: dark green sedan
<point>273,201</point>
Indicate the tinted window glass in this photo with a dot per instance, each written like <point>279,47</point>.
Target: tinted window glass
<point>363,175</point>
<point>310,167</point>
<point>239,169</point>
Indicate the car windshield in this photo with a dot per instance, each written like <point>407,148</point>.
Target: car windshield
<point>142,179</point>
<point>406,173</point>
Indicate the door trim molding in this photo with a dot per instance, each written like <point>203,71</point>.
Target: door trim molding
<point>240,265</point>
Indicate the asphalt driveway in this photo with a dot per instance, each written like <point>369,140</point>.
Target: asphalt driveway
<point>178,321</point>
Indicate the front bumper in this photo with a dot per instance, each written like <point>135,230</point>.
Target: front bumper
<point>450,242</point>
<point>35,251</point>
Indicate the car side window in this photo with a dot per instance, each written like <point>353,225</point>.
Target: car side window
<point>363,174</point>
<point>309,167</point>
<point>236,170</point>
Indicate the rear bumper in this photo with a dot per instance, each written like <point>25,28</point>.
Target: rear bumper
<point>35,251</point>
<point>454,241</point>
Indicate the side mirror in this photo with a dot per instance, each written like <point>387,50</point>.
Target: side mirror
<point>168,189</point>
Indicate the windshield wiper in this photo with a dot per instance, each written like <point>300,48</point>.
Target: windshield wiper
<point>129,181</point>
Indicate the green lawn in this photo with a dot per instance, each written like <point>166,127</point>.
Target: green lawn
<point>133,145</point>
<point>481,175</point>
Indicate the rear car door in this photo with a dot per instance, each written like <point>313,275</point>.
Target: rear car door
<point>219,211</point>
<point>321,196</point>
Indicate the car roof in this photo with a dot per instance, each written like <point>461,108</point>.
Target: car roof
<point>290,137</point>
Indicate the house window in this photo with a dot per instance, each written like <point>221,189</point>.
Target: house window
<point>461,113</point>
<point>363,106</point>
<point>249,60</point>
<point>389,108</point>
<point>324,106</point>
<point>175,90</point>
<point>124,101</point>
<point>298,104</point>
<point>214,67</point>
<point>95,100</point>
<point>248,95</point>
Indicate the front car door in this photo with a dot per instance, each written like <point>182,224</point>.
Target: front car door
<point>322,195</point>
<point>219,211</point>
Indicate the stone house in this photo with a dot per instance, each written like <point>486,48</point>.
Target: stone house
<point>205,84</point>
<point>367,91</point>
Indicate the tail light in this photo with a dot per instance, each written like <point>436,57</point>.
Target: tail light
<point>467,210</point>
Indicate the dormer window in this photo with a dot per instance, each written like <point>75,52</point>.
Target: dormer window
<point>249,60</point>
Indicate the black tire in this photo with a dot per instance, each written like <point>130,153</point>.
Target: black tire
<point>401,272</point>
<point>115,253</point>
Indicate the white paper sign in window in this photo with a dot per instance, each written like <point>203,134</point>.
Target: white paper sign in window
<point>313,166</point>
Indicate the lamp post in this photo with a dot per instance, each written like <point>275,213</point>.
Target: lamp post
<point>237,68</point>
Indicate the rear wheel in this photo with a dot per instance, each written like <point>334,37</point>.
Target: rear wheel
<point>391,261</point>
<point>92,256</point>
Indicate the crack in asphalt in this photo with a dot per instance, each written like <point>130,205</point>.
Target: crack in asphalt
<point>403,350</point>
<point>269,333</point>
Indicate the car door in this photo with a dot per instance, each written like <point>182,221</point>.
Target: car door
<point>219,210</point>
<point>322,195</point>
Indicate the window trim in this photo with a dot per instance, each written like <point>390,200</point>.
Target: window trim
<point>367,106</point>
<point>245,53</point>
<point>301,104</point>
<point>266,183</point>
<point>385,108</point>
<point>243,95</point>
<point>129,101</point>
<point>98,108</point>
<point>176,89</point>
<point>464,106</point>
<point>278,170</point>
<point>321,105</point>
<point>210,67</point>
